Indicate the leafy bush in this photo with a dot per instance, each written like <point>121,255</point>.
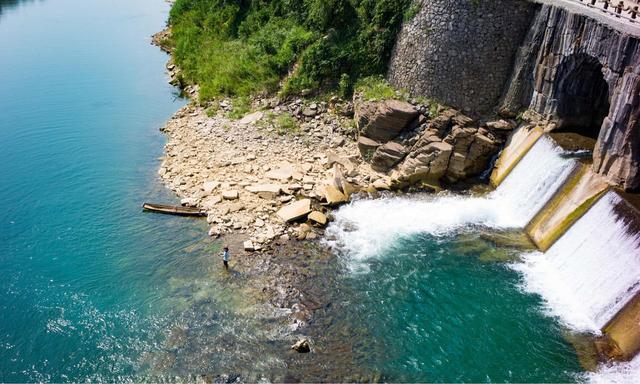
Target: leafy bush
<point>244,47</point>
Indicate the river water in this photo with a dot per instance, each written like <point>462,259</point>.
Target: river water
<point>89,282</point>
<point>93,288</point>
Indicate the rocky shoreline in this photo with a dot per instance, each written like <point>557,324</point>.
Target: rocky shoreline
<point>270,179</point>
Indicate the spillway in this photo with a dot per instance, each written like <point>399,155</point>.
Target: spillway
<point>592,271</point>
<point>586,276</point>
<point>527,188</point>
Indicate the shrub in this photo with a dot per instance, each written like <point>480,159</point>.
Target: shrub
<point>244,47</point>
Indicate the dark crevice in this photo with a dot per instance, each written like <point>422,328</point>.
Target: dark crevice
<point>582,95</point>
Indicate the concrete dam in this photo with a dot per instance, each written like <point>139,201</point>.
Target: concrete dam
<point>567,70</point>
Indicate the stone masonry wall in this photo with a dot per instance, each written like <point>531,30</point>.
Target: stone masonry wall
<point>545,64</point>
<point>460,52</point>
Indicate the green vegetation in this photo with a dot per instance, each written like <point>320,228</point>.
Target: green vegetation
<point>376,88</point>
<point>240,106</point>
<point>244,47</point>
<point>412,11</point>
<point>286,124</point>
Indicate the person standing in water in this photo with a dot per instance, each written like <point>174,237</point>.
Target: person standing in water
<point>225,257</point>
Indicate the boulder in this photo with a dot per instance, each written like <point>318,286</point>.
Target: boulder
<point>209,186</point>
<point>230,195</point>
<point>318,217</point>
<point>347,163</point>
<point>302,346</point>
<point>501,125</point>
<point>303,231</point>
<point>333,195</point>
<point>189,202</point>
<point>214,231</point>
<point>274,189</point>
<point>295,210</point>
<point>367,147</point>
<point>309,112</point>
<point>283,173</point>
<point>248,246</point>
<point>456,169</point>
<point>428,163</point>
<point>382,121</point>
<point>381,185</point>
<point>251,118</point>
<point>209,202</point>
<point>387,156</point>
<point>471,156</point>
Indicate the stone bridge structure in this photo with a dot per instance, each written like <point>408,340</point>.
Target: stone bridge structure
<point>563,60</point>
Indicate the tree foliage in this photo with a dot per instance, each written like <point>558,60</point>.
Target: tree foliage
<point>244,47</point>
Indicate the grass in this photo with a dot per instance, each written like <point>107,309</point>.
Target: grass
<point>286,124</point>
<point>375,88</point>
<point>240,106</point>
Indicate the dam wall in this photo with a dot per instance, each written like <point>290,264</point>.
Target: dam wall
<point>584,74</point>
<point>588,269</point>
<point>460,52</point>
<point>561,60</point>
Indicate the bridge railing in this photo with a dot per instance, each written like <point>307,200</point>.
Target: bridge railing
<point>611,10</point>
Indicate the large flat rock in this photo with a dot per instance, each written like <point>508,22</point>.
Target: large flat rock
<point>295,210</point>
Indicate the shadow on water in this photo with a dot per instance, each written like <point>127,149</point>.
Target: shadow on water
<point>7,5</point>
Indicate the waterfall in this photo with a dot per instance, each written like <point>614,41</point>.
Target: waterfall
<point>592,271</point>
<point>531,183</point>
<point>585,278</point>
<point>534,180</point>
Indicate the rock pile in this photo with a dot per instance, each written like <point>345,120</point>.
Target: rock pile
<point>263,183</point>
<point>257,181</point>
<point>403,140</point>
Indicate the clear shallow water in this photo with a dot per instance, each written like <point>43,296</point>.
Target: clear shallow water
<point>89,283</point>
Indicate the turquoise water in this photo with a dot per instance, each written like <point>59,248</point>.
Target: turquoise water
<point>89,282</point>
<point>442,309</point>
<point>93,288</point>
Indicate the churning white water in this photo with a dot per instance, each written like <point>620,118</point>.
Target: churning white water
<point>618,373</point>
<point>588,275</point>
<point>366,227</point>
<point>585,277</point>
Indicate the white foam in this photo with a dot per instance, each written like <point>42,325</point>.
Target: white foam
<point>366,227</point>
<point>620,373</point>
<point>591,272</point>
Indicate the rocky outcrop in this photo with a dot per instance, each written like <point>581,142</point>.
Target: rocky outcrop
<point>454,154</point>
<point>460,52</point>
<point>572,66</point>
<point>447,146</point>
<point>383,121</point>
<point>295,210</point>
<point>387,156</point>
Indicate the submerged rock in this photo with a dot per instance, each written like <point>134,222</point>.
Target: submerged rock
<point>302,346</point>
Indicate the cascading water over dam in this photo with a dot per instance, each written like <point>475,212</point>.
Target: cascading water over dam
<point>523,193</point>
<point>590,271</point>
